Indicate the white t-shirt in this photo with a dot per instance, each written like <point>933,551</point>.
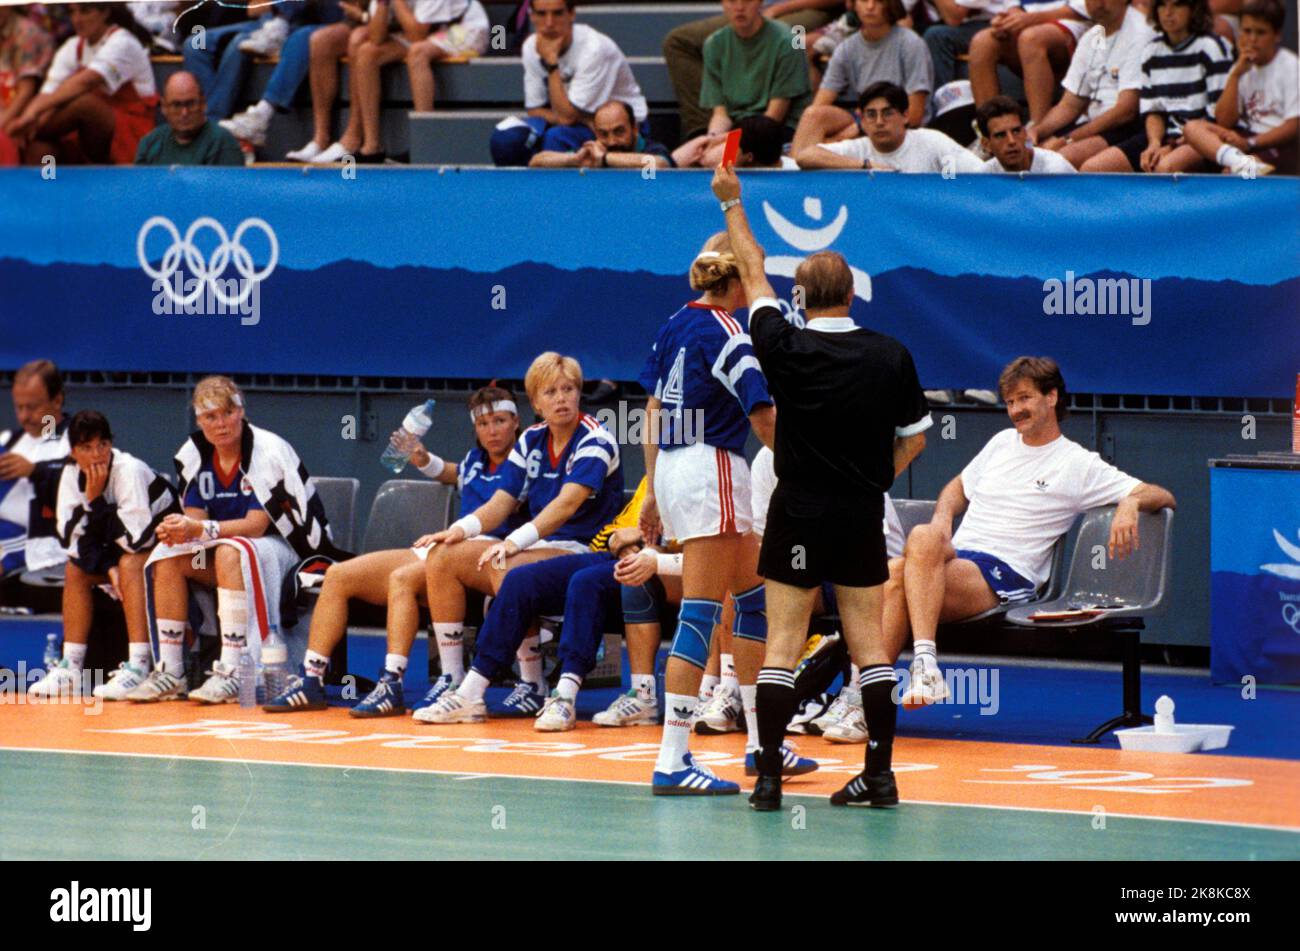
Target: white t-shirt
<point>118,57</point>
<point>1104,66</point>
<point>1042,162</point>
<point>594,71</point>
<point>762,483</point>
<point>923,150</point>
<point>15,504</point>
<point>1023,498</point>
<point>1269,95</point>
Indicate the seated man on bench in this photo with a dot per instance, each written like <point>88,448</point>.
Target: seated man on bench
<point>1020,494</point>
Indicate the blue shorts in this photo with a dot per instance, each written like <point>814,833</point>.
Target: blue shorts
<point>1000,577</point>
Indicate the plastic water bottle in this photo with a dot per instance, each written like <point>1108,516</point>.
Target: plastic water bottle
<point>53,651</point>
<point>247,679</point>
<point>275,664</point>
<point>417,423</point>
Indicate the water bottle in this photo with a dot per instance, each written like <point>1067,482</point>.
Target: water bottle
<point>417,423</point>
<point>53,651</point>
<point>247,679</point>
<point>275,664</point>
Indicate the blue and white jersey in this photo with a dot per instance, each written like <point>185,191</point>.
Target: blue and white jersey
<point>477,480</point>
<point>534,474</point>
<point>223,495</point>
<point>703,370</point>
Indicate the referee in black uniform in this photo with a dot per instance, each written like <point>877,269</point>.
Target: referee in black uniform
<point>850,417</point>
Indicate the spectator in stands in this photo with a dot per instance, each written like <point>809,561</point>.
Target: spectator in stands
<point>569,71</point>
<point>1002,129</point>
<point>25,54</point>
<point>1184,70</point>
<point>1102,86</point>
<point>1002,551</point>
<point>880,50</point>
<point>109,505</point>
<point>961,20</point>
<point>761,143</point>
<point>31,462</point>
<point>326,47</point>
<point>752,66</point>
<point>159,21</point>
<point>889,145</point>
<point>461,33</point>
<point>98,98</point>
<point>188,137</point>
<point>617,144</point>
<point>1256,123</point>
<point>684,52</point>
<point>1036,41</point>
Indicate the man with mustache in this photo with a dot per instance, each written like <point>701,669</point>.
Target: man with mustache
<point>1019,495</point>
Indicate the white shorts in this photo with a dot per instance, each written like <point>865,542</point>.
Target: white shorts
<point>702,491</point>
<point>464,39</point>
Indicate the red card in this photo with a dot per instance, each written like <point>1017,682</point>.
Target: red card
<point>732,148</point>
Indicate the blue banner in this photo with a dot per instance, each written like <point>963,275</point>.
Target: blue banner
<point>1136,284</point>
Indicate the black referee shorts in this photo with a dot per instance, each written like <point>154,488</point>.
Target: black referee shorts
<point>810,540</point>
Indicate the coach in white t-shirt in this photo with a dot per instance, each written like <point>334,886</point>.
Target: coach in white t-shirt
<point>1020,493</point>
<point>570,70</point>
<point>1002,130</point>
<point>889,144</point>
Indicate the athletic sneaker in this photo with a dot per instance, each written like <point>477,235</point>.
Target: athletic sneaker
<point>159,685</point>
<point>691,780</point>
<point>701,704</point>
<point>809,709</point>
<point>850,729</point>
<point>724,713</point>
<point>849,698</point>
<point>926,686</point>
<point>384,701</point>
<point>440,686</point>
<point>862,790</point>
<point>766,796</point>
<point>222,685</point>
<point>628,710</point>
<point>792,764</point>
<point>557,716</point>
<point>524,701</point>
<point>453,708</point>
<point>60,681</point>
<point>120,682</point>
<point>249,125</point>
<point>267,39</point>
<point>303,693</point>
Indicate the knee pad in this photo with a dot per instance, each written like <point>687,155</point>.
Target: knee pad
<point>751,614</point>
<point>640,606</point>
<point>695,630</point>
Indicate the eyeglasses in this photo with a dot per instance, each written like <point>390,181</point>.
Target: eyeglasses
<point>184,105</point>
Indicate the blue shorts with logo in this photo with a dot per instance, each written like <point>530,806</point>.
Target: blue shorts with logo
<point>1000,577</point>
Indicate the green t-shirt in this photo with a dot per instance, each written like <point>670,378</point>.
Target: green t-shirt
<point>212,146</point>
<point>744,75</point>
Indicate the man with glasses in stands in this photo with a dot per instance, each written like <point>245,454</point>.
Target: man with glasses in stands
<point>187,137</point>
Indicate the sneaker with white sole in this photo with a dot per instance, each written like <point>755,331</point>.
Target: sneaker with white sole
<point>267,39</point>
<point>848,698</point>
<point>307,153</point>
<point>851,728</point>
<point>331,155</point>
<point>792,764</point>
<point>438,688</point>
<point>629,709</point>
<point>691,780</point>
<point>926,686</point>
<point>453,708</point>
<point>557,716</point>
<point>249,126</point>
<point>120,682</point>
<point>59,681</point>
<point>723,714</point>
<point>159,685</point>
<point>524,701</point>
<point>222,685</point>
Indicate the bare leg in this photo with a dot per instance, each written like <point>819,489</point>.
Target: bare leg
<point>700,579</point>
<point>1043,49</point>
<point>91,117</point>
<point>1078,152</point>
<point>1110,159</point>
<point>327,45</point>
<point>130,583</point>
<point>365,578</point>
<point>820,124</point>
<point>351,137</point>
<point>1184,158</point>
<point>78,603</point>
<point>368,67</point>
<point>986,51</point>
<point>419,65</point>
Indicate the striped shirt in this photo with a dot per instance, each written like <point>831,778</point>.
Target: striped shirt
<point>1183,82</point>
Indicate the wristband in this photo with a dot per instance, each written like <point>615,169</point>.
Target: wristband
<point>212,529</point>
<point>668,564</point>
<point>730,203</point>
<point>470,525</point>
<point>433,468</point>
<point>523,536</point>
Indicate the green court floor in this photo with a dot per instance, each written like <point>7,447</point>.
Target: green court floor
<point>76,806</point>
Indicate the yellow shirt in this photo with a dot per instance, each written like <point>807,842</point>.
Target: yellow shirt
<point>625,519</point>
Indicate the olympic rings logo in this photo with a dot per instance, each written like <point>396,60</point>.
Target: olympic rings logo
<point>207,272</point>
<point>1291,616</point>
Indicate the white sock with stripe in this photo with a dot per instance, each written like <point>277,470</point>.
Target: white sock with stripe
<point>315,664</point>
<point>140,655</point>
<point>728,666</point>
<point>171,646</point>
<point>473,686</point>
<point>569,686</point>
<point>232,614</point>
<point>395,664</point>
<point>707,684</point>
<point>676,740</point>
<point>529,657</point>
<point>925,651</point>
<point>451,649</point>
<point>74,654</point>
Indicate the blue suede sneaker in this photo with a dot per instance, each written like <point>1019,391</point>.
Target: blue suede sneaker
<point>792,764</point>
<point>440,686</point>
<point>303,693</point>
<point>691,781</point>
<point>384,701</point>
<point>524,701</point>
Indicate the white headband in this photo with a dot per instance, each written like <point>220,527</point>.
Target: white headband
<point>500,406</point>
<point>209,405</point>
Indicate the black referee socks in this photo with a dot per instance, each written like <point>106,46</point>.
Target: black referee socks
<point>877,685</point>
<point>775,708</point>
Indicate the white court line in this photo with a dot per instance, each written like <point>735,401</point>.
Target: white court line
<point>460,774</point>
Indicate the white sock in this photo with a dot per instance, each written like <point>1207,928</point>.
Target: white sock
<point>75,655</point>
<point>529,656</point>
<point>749,697</point>
<point>644,685</point>
<point>263,110</point>
<point>707,685</point>
<point>728,666</point>
<point>677,733</point>
<point>140,655</point>
<point>395,663</point>
<point>924,651</point>
<point>473,686</point>
<point>451,649</point>
<point>171,647</point>
<point>569,686</point>
<point>1231,157</point>
<point>853,675</point>
<point>232,613</point>
<point>316,664</point>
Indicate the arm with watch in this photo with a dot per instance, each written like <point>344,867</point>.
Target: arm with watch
<point>194,525</point>
<point>559,111</point>
<point>1061,116</point>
